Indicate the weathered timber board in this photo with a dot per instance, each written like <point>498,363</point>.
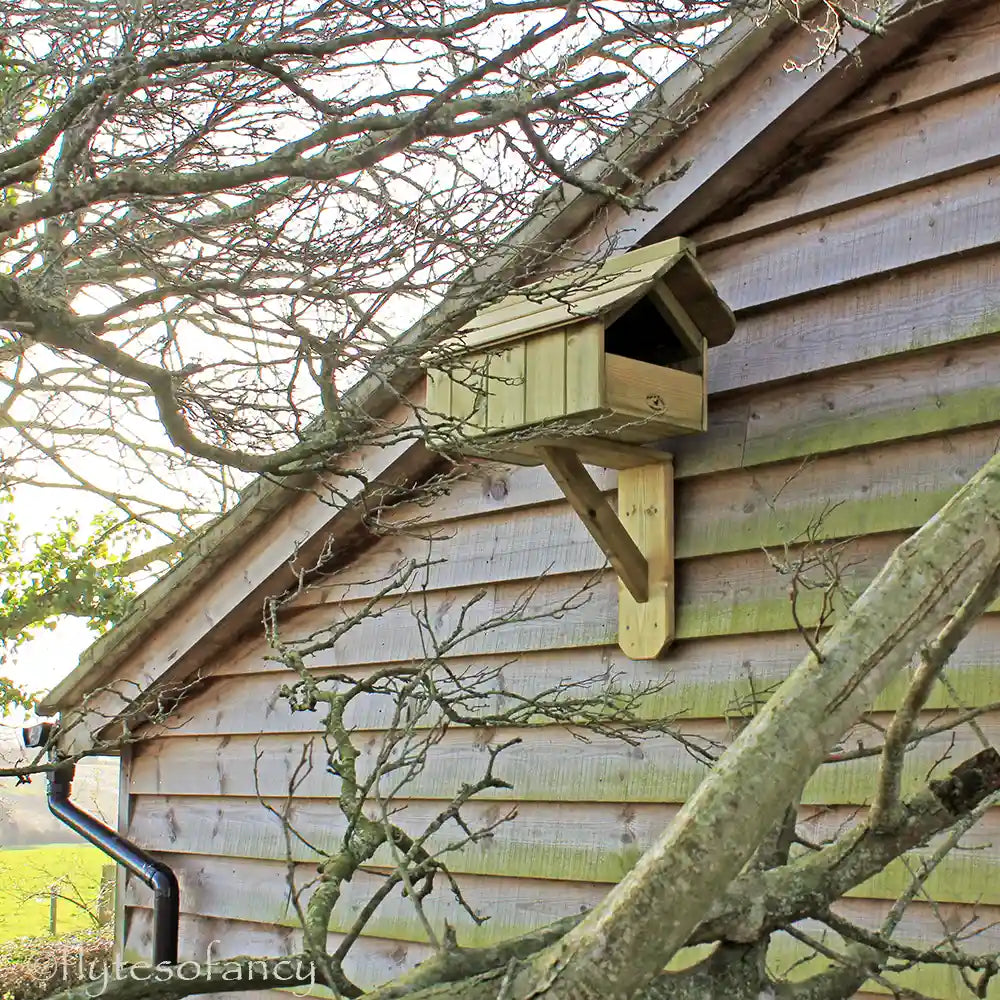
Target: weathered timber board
<point>596,842</point>
<point>707,678</point>
<point>964,56</point>
<point>941,220</point>
<point>899,153</point>
<point>372,961</point>
<point>231,888</point>
<point>548,765</point>
<point>953,301</point>
<point>921,923</point>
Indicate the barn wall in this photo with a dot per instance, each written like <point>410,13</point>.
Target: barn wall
<point>863,385</point>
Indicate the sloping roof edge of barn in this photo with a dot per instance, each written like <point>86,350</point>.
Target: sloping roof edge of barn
<point>730,164</point>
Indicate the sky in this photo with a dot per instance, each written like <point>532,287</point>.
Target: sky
<point>43,661</point>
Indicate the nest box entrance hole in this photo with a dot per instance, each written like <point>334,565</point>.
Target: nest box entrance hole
<point>647,332</point>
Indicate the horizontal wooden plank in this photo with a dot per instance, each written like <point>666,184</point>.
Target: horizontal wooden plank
<point>246,701</point>
<point>708,679</point>
<point>955,300</point>
<point>923,925</point>
<point>660,771</point>
<point>937,221</point>
<point>549,764</point>
<point>485,489</point>
<point>888,399</point>
<point>372,960</point>
<point>889,487</point>
<point>727,595</point>
<point>375,961</point>
<point>959,58</point>
<point>897,154</point>
<point>595,842</point>
<point>970,874</point>
<point>229,888</point>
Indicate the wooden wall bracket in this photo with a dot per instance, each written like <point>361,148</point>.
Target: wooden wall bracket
<point>638,541</point>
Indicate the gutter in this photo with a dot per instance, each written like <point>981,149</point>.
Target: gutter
<point>158,876</point>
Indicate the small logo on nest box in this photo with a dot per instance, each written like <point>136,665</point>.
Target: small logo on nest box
<point>656,402</point>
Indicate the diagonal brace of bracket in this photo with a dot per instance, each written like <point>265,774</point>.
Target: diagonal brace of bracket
<point>600,519</point>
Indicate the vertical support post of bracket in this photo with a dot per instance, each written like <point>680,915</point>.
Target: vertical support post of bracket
<point>646,509</point>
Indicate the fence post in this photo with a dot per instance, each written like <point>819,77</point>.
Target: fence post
<point>53,900</point>
<point>106,895</point>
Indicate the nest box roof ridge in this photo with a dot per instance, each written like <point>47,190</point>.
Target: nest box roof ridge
<point>610,287</point>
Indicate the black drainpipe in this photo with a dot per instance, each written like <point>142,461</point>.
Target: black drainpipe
<point>163,882</point>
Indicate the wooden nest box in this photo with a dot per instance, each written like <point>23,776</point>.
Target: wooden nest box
<point>591,359</point>
<point>590,366</point>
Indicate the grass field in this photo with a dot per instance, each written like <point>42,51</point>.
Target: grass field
<point>26,875</point>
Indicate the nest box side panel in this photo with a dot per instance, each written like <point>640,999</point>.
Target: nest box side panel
<point>505,388</point>
<point>545,377</point>
<point>438,392</point>
<point>468,387</point>
<point>584,368</point>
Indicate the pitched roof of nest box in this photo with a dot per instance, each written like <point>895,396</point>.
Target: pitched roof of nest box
<point>608,290</point>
